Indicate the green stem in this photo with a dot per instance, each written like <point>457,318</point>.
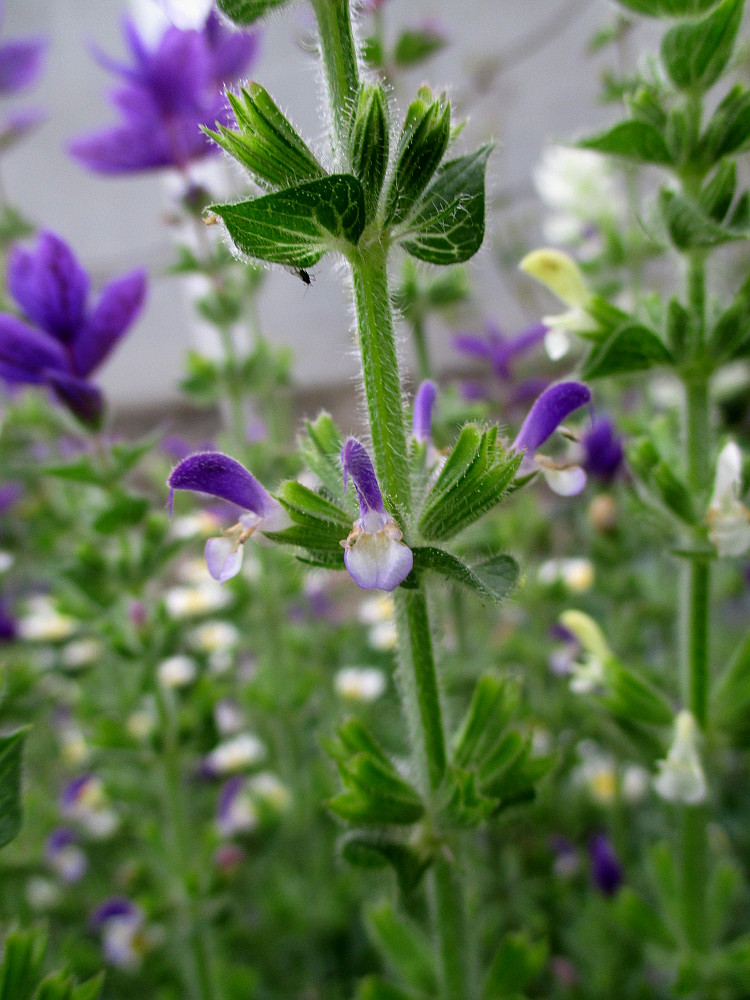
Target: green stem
<point>420,346</point>
<point>693,852</point>
<point>450,921</point>
<point>340,65</point>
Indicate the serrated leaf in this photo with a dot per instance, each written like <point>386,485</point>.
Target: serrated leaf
<point>447,224</point>
<point>248,11</point>
<point>632,140</point>
<point>297,226</point>
<point>416,45</point>
<point>689,228</point>
<point>11,752</point>
<point>373,851</point>
<point>368,142</point>
<point>451,568</point>
<point>695,54</point>
<point>632,348</point>
<point>516,964</point>
<point>403,947</point>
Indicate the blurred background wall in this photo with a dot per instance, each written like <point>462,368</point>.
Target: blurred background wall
<point>519,70</point>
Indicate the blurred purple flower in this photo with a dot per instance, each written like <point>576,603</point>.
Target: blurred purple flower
<point>374,555</point>
<point>167,93</point>
<point>121,924</point>
<point>21,62</point>
<point>602,450</point>
<point>20,124</point>
<point>10,494</point>
<point>8,624</point>
<point>65,856</point>
<point>497,348</point>
<point>65,341</point>
<point>606,869</point>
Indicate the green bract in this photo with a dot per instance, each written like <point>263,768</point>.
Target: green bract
<point>640,141</point>
<point>297,226</point>
<point>629,348</point>
<point>248,11</point>
<point>368,142</point>
<point>265,142</point>
<point>696,53</point>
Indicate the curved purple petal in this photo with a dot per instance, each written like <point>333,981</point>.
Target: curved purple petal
<point>117,906</point>
<point>50,285</point>
<point>178,72</point>
<point>26,352</point>
<point>231,52</point>
<point>221,476</point>
<point>605,865</point>
<point>119,304</point>
<point>603,451</point>
<point>548,412</point>
<point>473,345</point>
<point>424,402</point>
<point>357,464</point>
<point>21,62</point>
<point>526,340</point>
<point>8,624</point>
<point>80,397</point>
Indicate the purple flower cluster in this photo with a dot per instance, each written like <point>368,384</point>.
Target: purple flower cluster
<point>167,92</point>
<point>62,341</point>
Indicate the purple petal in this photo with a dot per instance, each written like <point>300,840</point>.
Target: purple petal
<point>357,464</point>
<point>8,624</point>
<point>117,906</point>
<point>129,149</point>
<point>62,837</point>
<point>605,866</point>
<point>10,494</point>
<point>230,790</point>
<point>423,404</point>
<point>21,63</point>
<point>548,412</point>
<point>473,345</point>
<point>25,352</point>
<point>119,305</point>
<point>72,791</point>
<point>80,397</point>
<point>231,52</point>
<point>50,286</point>
<point>603,450</point>
<point>221,476</point>
<point>223,558</point>
<point>526,339</point>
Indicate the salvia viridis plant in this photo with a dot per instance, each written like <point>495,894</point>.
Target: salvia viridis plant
<point>449,705</point>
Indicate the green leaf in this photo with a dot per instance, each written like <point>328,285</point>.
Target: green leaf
<point>11,752</point>
<point>631,348</point>
<point>629,696</point>
<point>451,568</point>
<point>678,328</point>
<point>728,130</point>
<point>668,8</point>
<point>516,964</point>
<point>21,967</point>
<point>403,947</point>
<point>368,142</point>
<point>297,226</point>
<point>718,193</point>
<point>248,11</point>
<point>321,446</point>
<point>374,988</point>
<point>695,54</point>
<point>689,228</point>
<point>320,526</point>
<point>447,225</point>
<point>89,990</point>
<point>424,139</point>
<point>373,851</point>
<point>57,986</point>
<point>631,140</point>
<point>416,45</point>
<point>730,695</point>
<point>124,512</point>
<point>492,705</point>
<point>81,470</point>
<point>642,920</point>
<point>265,142</point>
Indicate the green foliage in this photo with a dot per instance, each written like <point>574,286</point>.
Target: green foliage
<point>297,226</point>
<point>122,511</point>
<point>11,751</point>
<point>642,920</point>
<point>717,194</point>
<point>629,348</point>
<point>248,11</point>
<point>319,525</point>
<point>368,142</point>
<point>668,8</point>
<point>492,580</point>
<point>265,142</point>
<point>660,480</point>
<point>690,228</point>
<point>639,141</point>
<point>376,850</point>
<point>474,479</point>
<point>321,446</point>
<point>21,971</point>
<point>414,45</point>
<point>447,224</point>
<point>403,947</point>
<point>516,964</point>
<point>696,53</point>
<point>728,129</point>
<point>373,988</point>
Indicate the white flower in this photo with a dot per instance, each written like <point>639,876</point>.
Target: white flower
<point>80,653</point>
<point>360,683</point>
<point>228,716</point>
<point>183,602</point>
<point>44,623</point>
<point>681,777</point>
<point>587,674</point>
<point>268,789</point>
<point>142,723</point>
<point>214,636</point>
<point>728,520</point>
<point>374,610</point>
<point>597,772</point>
<point>6,561</point>
<point>235,754</point>
<point>576,574</point>
<point>42,893</point>
<point>176,672</point>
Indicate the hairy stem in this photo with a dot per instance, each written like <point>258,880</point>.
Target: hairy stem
<point>340,65</point>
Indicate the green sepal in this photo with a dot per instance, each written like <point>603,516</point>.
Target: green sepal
<point>718,192</point>
<point>493,704</point>
<point>646,107</point>
<point>475,477</point>
<point>516,964</point>
<point>696,53</point>
<point>265,142</point>
<point>661,481</point>
<point>493,580</point>
<point>375,988</point>
<point>632,140</point>
<point>678,328</point>
<point>368,142</point>
<point>21,968</point>
<point>11,752</point>
<point>321,445</point>
<point>319,525</point>
<point>642,921</point>
<point>668,8</point>
<point>417,44</point>
<point>403,947</point>
<point>297,226</point>
<point>423,141</point>
<point>689,227</point>
<point>630,348</point>
<point>248,11</point>
<point>728,130</point>
<point>371,850</point>
<point>510,772</point>
<point>630,697</point>
<point>447,225</point>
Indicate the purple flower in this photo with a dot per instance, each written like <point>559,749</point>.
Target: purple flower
<point>602,450</point>
<point>121,925</point>
<point>64,341</point>
<point>8,624</point>
<point>221,476</point>
<point>544,417</point>
<point>375,556</point>
<point>424,401</point>
<point>497,348</point>
<point>65,856</point>
<point>606,869</point>
<point>21,62</point>
<point>167,93</point>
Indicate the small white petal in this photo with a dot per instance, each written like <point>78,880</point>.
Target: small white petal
<point>681,777</point>
<point>223,558</point>
<point>565,482</point>
<point>378,561</point>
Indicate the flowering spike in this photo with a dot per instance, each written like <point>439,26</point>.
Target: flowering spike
<point>728,519</point>
<point>374,555</point>
<point>424,402</point>
<point>681,777</point>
